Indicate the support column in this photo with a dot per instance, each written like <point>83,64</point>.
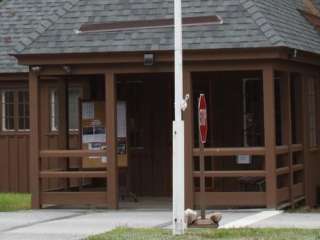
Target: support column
<point>305,141</point>
<point>34,139</point>
<point>63,128</point>
<point>287,126</point>
<point>111,133</point>
<point>270,136</point>
<point>188,119</point>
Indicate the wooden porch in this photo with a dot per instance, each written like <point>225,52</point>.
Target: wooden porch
<point>281,152</point>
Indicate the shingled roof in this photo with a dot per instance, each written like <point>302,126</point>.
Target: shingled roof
<point>238,31</point>
<point>246,24</point>
<point>24,20</point>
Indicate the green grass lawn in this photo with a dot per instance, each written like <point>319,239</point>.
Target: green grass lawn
<point>14,202</point>
<point>197,234</point>
<point>304,210</point>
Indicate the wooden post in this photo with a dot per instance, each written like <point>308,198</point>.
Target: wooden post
<point>202,181</point>
<point>111,133</point>
<point>287,126</point>
<point>305,141</point>
<point>270,136</point>
<point>63,123</point>
<point>34,139</point>
<point>188,119</point>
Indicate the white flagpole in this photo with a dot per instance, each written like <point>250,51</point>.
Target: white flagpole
<point>178,128</point>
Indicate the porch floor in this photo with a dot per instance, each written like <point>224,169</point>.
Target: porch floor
<point>147,203</point>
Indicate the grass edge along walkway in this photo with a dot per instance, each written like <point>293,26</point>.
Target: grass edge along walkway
<point>14,201</point>
<point>122,233</point>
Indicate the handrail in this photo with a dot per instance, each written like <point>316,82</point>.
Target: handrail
<point>282,149</point>
<point>72,153</point>
<point>298,167</point>
<point>254,151</point>
<point>254,173</point>
<point>297,147</point>
<point>73,174</point>
<point>283,171</point>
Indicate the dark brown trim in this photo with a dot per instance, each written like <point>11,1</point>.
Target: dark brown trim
<point>13,76</point>
<point>270,136</point>
<point>111,129</point>
<point>160,56</point>
<point>34,139</point>
<point>142,24</point>
<point>274,53</point>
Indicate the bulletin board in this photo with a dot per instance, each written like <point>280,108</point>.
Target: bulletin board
<point>93,133</point>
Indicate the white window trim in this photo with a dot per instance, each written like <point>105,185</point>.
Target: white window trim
<point>25,129</point>
<point>3,105</point>
<point>53,113</point>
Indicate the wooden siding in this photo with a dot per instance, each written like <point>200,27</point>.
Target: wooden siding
<point>14,163</point>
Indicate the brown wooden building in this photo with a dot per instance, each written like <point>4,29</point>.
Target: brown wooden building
<point>90,114</point>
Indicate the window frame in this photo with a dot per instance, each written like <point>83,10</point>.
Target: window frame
<point>53,94</point>
<point>28,105</point>
<point>16,116</point>
<point>53,127</point>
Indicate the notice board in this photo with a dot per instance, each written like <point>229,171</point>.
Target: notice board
<point>93,133</point>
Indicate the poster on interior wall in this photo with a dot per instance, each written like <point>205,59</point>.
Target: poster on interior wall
<point>244,159</point>
<point>122,119</point>
<point>122,156</point>
<point>93,132</point>
<point>87,110</point>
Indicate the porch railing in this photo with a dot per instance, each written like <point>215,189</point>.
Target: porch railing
<point>64,195</point>
<point>236,199</point>
<point>292,191</point>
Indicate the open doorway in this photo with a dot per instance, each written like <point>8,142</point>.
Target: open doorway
<point>149,103</point>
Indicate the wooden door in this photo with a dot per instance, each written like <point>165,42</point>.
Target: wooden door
<point>150,111</point>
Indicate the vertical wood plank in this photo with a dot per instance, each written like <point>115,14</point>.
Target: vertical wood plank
<point>305,141</point>
<point>287,126</point>
<point>63,125</point>
<point>34,138</point>
<point>270,136</point>
<point>4,164</point>
<point>111,132</point>
<point>44,123</point>
<point>188,119</point>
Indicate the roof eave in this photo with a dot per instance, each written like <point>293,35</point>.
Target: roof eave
<point>161,56</point>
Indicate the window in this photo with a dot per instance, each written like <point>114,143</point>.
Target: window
<point>54,110</point>
<point>15,110</point>
<point>73,109</point>
<point>7,110</point>
<point>23,106</point>
<point>313,95</point>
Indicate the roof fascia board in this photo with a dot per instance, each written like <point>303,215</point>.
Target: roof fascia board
<point>160,56</point>
<point>13,76</point>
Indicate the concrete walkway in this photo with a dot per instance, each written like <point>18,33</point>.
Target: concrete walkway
<point>78,224</point>
<point>73,224</point>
